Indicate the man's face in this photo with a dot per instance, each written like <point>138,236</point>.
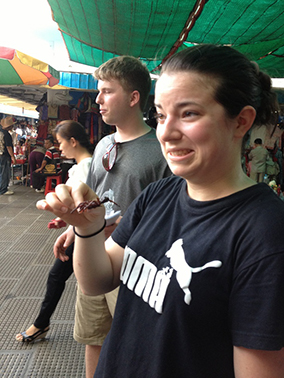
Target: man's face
<point>114,101</point>
<point>47,144</point>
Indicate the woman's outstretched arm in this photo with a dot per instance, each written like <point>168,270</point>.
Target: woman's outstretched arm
<point>97,262</point>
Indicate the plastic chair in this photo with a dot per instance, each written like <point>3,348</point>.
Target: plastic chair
<point>48,185</point>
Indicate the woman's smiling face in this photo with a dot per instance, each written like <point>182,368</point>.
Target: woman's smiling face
<point>194,131</point>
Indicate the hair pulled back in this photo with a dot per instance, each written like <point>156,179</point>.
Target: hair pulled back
<point>71,129</point>
<point>239,81</point>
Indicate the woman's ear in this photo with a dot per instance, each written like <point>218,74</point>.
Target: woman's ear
<point>245,120</point>
<point>135,98</point>
<point>73,141</point>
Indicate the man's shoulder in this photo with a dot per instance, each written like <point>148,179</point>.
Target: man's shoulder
<point>49,152</point>
<point>5,132</point>
<point>106,140</point>
<point>103,144</point>
<point>149,138</point>
<point>54,150</point>
<point>150,134</point>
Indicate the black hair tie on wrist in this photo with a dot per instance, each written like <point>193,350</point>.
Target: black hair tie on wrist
<point>89,236</point>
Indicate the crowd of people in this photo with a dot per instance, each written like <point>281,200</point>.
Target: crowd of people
<point>265,165</point>
<point>188,280</point>
<point>40,157</point>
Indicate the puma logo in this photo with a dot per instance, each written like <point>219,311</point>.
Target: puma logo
<point>184,271</point>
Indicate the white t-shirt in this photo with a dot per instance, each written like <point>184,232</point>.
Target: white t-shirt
<point>79,172</point>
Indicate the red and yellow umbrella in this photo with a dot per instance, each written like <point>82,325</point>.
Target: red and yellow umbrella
<point>18,68</point>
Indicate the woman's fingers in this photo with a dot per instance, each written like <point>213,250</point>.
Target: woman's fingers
<point>52,204</point>
<point>64,195</point>
<point>65,199</point>
<point>82,192</point>
<point>59,202</point>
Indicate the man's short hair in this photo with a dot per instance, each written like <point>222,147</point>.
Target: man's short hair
<point>132,74</point>
<point>258,141</point>
<point>50,139</point>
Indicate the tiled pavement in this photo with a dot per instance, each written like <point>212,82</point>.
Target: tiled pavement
<point>25,259</point>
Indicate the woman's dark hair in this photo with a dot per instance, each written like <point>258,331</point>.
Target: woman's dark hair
<point>239,81</point>
<point>71,129</point>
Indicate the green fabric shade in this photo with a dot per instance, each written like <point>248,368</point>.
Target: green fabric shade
<point>95,31</point>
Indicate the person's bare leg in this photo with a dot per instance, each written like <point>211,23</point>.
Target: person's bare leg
<point>92,354</point>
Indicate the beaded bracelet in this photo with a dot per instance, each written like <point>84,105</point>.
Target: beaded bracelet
<point>89,236</point>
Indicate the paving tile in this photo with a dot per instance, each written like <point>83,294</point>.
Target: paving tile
<point>11,232</point>
<point>15,264</point>
<point>26,256</point>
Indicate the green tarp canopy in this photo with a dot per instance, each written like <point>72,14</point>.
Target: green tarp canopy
<point>152,30</point>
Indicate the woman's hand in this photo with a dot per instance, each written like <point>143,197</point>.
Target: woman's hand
<point>65,199</point>
<point>62,243</point>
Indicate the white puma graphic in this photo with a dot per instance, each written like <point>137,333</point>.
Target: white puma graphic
<point>184,271</point>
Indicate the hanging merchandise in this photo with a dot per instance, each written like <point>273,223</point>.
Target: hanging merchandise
<point>51,126</point>
<point>273,136</point>
<point>74,114</point>
<point>84,102</point>
<point>269,134</point>
<point>52,111</point>
<point>95,128</point>
<point>58,97</point>
<point>42,108</point>
<point>42,130</point>
<point>64,112</point>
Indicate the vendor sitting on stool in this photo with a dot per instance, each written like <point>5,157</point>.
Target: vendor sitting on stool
<point>50,165</point>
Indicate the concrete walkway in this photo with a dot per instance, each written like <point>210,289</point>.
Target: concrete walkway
<point>26,256</point>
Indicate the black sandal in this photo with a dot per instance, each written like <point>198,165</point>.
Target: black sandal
<point>40,334</point>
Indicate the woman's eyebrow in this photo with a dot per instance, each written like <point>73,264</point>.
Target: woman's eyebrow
<point>180,104</point>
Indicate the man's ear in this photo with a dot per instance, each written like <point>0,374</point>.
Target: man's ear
<point>135,98</point>
<point>244,120</point>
